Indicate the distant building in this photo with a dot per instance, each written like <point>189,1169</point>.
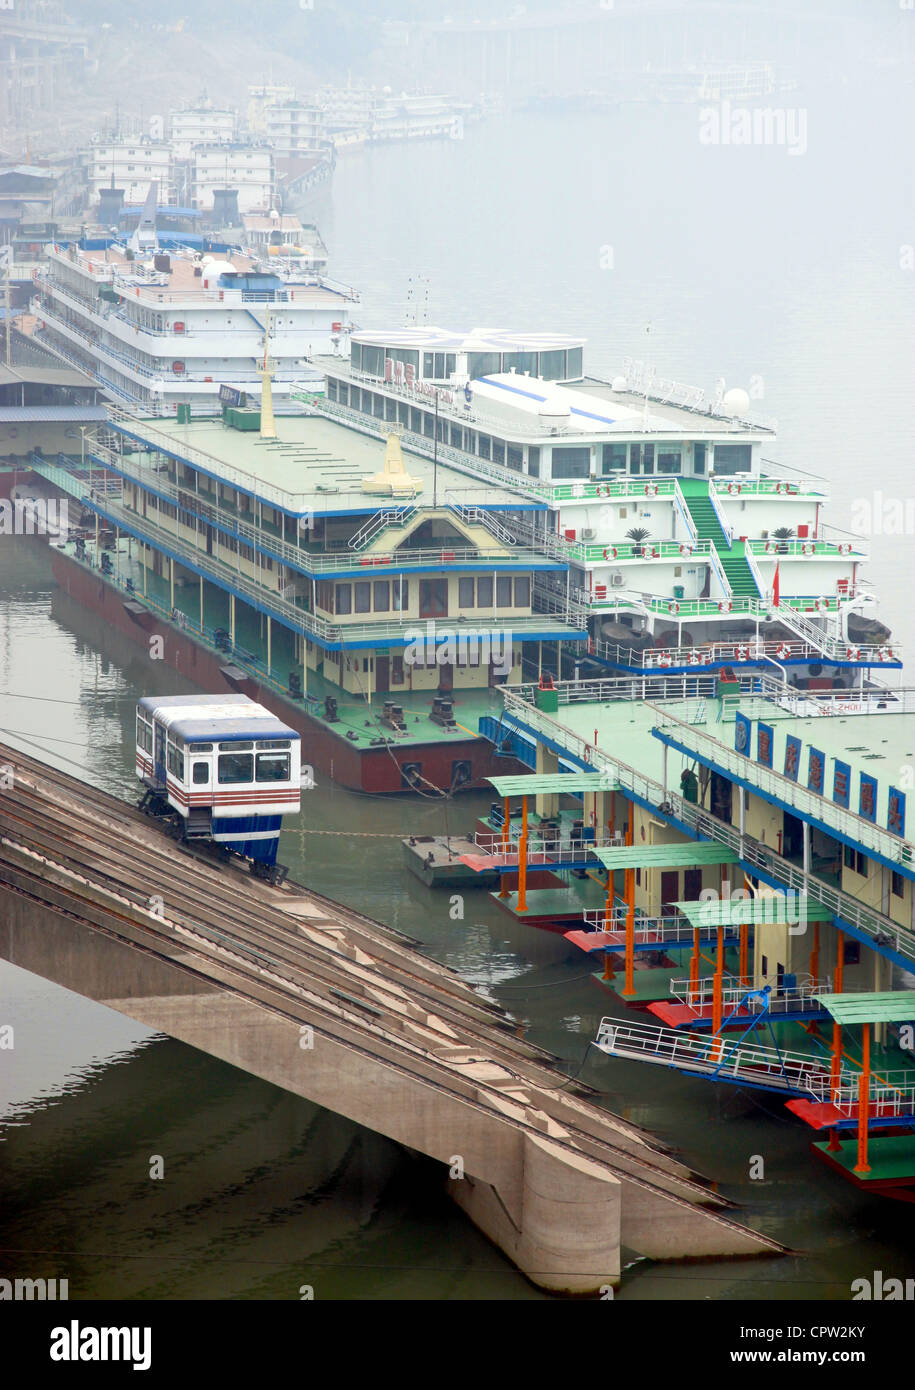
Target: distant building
<point>203,124</point>
<point>131,163</point>
<point>249,168</point>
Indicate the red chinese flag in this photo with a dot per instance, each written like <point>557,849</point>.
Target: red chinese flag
<point>775,588</point>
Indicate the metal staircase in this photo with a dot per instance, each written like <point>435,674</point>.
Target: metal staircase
<point>387,516</point>
<point>731,554</point>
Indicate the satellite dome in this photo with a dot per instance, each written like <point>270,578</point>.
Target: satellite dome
<point>736,401</point>
<point>554,412</point>
<point>618,383</point>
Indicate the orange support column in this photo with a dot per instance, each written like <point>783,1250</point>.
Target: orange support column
<point>836,1063</point>
<point>522,859</point>
<point>506,845</point>
<point>815,953</point>
<point>628,989</point>
<point>694,964</point>
<point>717,984</point>
<point>864,1100</point>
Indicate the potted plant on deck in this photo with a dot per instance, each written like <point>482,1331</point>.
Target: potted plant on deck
<point>783,534</point>
<point>638,535</point>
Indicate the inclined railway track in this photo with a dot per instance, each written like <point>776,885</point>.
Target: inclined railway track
<point>232,934</point>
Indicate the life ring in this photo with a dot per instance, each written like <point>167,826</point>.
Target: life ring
<point>695,657</point>
<point>770,547</point>
<point>883,654</point>
<point>673,607</point>
<point>781,487</point>
<point>807,548</point>
<point>725,606</point>
<point>651,552</point>
<point>611,553</point>
<point>651,489</point>
<point>664,661</point>
<point>845,548</point>
<point>686,549</point>
<point>853,654</point>
<point>734,488</point>
<point>587,753</point>
<point>783,651</point>
<point>742,653</point>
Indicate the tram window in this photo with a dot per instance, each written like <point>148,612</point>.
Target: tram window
<point>274,743</point>
<point>201,773</point>
<point>144,736</point>
<point>233,747</point>
<point>175,762</point>
<point>200,747</point>
<point>272,767</point>
<point>236,767</point>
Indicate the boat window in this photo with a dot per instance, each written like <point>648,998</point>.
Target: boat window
<point>236,767</point>
<point>553,365</point>
<point>570,462</point>
<point>272,767</point>
<point>573,364</point>
<point>201,773</point>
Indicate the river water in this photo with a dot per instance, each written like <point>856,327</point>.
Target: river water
<point>742,263</point>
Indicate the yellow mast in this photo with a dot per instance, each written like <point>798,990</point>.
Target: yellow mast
<point>268,427</point>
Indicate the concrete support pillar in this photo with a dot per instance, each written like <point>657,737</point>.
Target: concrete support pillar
<point>269,643</point>
<point>202,623</point>
<point>171,584</point>
<point>547,762</point>
<point>232,618</point>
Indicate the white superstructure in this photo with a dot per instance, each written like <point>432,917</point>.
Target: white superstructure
<point>162,330</point>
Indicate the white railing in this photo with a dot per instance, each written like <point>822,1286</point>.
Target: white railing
<point>767,780</point>
<point>890,1093</point>
<point>542,849</point>
<point>880,928</point>
<point>717,508</point>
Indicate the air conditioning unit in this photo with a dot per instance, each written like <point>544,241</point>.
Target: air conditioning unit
<point>587,533</point>
<point>616,580</point>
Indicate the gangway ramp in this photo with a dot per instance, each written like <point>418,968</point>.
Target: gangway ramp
<point>322,1001</point>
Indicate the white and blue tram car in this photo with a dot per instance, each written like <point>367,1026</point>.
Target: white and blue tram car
<point>219,768</point>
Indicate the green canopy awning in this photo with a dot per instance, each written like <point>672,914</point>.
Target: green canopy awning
<point>688,856</point>
<point>897,1006</point>
<point>754,912</point>
<point>542,784</point>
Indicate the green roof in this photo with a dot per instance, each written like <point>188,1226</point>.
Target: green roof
<point>665,856</point>
<point>541,784</point>
<point>897,1006</point>
<point>774,907</point>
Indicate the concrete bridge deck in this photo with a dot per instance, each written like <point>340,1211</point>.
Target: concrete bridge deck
<point>332,1006</point>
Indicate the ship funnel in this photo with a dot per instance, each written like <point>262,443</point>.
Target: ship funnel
<point>393,480</point>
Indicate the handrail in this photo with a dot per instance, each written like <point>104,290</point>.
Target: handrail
<point>717,508</point>
<point>766,779</point>
<point>881,928</point>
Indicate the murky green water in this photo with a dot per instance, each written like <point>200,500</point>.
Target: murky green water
<point>744,264</point>
<point>264,1192</point>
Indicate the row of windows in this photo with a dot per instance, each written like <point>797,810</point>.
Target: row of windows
<point>422,422</point>
<point>249,767</point>
<point>384,596</point>
<point>559,365</point>
<point>365,596</point>
<point>510,592</point>
<point>858,863</point>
